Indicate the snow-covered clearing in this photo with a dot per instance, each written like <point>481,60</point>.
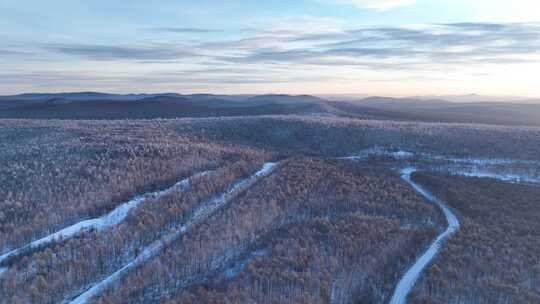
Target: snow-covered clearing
<point>408,280</point>
<point>402,154</point>
<point>478,161</point>
<point>175,233</point>
<point>378,151</point>
<point>506,170</point>
<point>510,176</point>
<point>111,219</point>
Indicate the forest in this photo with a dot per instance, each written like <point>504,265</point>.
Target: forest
<point>496,250</point>
<point>266,209</point>
<point>311,219</point>
<point>269,152</point>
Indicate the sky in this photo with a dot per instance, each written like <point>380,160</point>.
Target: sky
<point>384,47</point>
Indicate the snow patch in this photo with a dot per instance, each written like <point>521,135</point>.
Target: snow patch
<point>509,177</point>
<point>478,161</point>
<point>507,170</point>
<point>377,151</point>
<point>400,154</point>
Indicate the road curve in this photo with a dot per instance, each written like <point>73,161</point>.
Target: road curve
<point>406,283</point>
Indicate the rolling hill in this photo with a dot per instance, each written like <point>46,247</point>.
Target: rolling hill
<point>90,105</point>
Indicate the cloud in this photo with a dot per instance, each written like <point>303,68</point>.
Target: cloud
<point>431,43</point>
<point>380,5</point>
<point>371,47</point>
<point>289,54</point>
<point>109,52</point>
<point>390,47</point>
<point>183,30</point>
<point>10,52</point>
<point>209,78</point>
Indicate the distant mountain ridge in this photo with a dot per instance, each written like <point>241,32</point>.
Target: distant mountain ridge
<point>90,105</point>
<point>87,96</point>
<point>95,105</point>
<point>473,98</point>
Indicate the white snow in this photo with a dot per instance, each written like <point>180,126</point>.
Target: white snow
<point>113,218</point>
<point>478,161</point>
<point>402,154</point>
<point>378,151</point>
<point>505,177</point>
<point>199,214</point>
<point>407,155</point>
<point>407,282</point>
<point>507,170</point>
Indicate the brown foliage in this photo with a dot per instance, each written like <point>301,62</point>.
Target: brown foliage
<point>493,258</point>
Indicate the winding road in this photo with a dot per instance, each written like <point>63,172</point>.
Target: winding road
<point>406,283</point>
<point>471,167</point>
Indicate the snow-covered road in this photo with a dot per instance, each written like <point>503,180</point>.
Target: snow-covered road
<point>113,218</point>
<point>408,280</point>
<point>505,170</point>
<point>175,233</point>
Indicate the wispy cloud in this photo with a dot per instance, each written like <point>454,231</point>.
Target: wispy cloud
<point>10,52</point>
<point>454,43</point>
<point>381,5</point>
<point>110,52</point>
<point>183,30</point>
<point>292,54</point>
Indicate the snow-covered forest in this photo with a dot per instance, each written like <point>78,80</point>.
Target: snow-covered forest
<point>270,209</point>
